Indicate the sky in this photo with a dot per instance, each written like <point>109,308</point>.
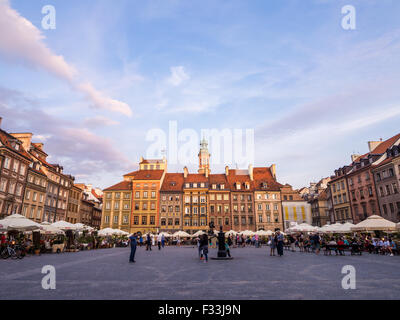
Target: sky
<point>94,88</point>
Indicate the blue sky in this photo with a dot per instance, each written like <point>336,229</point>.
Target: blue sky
<point>313,92</point>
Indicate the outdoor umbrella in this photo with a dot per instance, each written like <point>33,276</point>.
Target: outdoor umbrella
<point>64,225</point>
<point>181,234</point>
<point>47,228</point>
<point>106,232</point>
<point>198,233</point>
<point>263,233</point>
<point>373,223</point>
<point>247,233</point>
<point>346,227</point>
<point>333,228</point>
<point>231,233</point>
<point>19,223</point>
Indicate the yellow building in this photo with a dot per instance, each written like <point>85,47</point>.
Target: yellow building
<point>146,185</point>
<point>117,206</point>
<point>340,197</point>
<point>195,202</point>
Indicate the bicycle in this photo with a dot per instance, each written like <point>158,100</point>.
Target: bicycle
<point>10,252</point>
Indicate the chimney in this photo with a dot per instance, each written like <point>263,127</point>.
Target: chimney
<point>89,187</point>
<point>1,119</point>
<point>185,172</point>
<point>26,139</point>
<point>206,173</point>
<point>227,171</point>
<point>273,171</point>
<point>354,157</point>
<point>373,144</point>
<point>251,172</point>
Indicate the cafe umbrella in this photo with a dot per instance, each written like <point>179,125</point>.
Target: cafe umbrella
<point>19,223</point>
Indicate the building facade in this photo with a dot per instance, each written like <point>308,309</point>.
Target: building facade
<point>74,203</point>
<point>117,206</point>
<point>35,193</point>
<point>339,197</point>
<point>171,203</point>
<point>295,209</point>
<point>267,198</point>
<point>13,173</point>
<point>388,184</point>
<point>220,213</point>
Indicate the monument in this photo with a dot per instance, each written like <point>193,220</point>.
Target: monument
<point>222,255</point>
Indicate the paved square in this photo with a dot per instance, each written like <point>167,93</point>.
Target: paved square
<point>176,273</point>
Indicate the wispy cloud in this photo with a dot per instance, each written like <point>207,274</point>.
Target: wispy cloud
<point>24,43</point>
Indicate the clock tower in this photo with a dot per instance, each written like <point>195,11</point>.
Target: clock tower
<point>204,158</point>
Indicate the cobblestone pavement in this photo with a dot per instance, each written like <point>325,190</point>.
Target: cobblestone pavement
<point>177,273</point>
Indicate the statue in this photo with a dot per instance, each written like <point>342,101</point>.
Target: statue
<point>221,244</point>
<point>211,230</point>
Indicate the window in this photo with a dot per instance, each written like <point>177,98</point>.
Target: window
<point>34,196</point>
<point>11,188</point>
<point>7,163</point>
<point>3,185</point>
<point>137,194</point>
<point>153,194</point>
<point>15,166</point>
<point>145,194</point>
<point>19,190</point>
<point>153,220</point>
<point>115,219</point>
<point>260,218</point>
<point>136,220</point>
<point>116,205</point>
<point>125,219</point>
<point>108,205</point>
<point>144,220</point>
<point>22,169</point>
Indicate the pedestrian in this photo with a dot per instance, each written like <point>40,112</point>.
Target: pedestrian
<point>272,245</point>
<point>204,247</point>
<point>140,241</point>
<point>148,242</point>
<point>198,240</point>
<point>279,242</point>
<point>227,248</point>
<point>159,238</point>
<point>163,240</point>
<point>133,241</point>
<point>292,242</point>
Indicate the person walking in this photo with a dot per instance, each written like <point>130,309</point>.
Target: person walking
<point>163,241</point>
<point>133,241</point>
<point>227,248</point>
<point>148,242</point>
<point>279,242</point>
<point>159,239</point>
<point>204,247</point>
<point>140,240</point>
<point>292,242</point>
<point>272,245</point>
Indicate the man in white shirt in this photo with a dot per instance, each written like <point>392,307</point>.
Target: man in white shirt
<point>159,239</point>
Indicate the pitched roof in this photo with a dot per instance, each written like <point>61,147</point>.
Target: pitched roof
<point>148,175</point>
<point>172,182</point>
<point>6,139</point>
<point>218,179</point>
<point>196,177</point>
<point>263,175</point>
<point>239,176</point>
<point>383,146</point>
<point>123,185</point>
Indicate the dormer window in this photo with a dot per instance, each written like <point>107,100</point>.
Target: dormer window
<point>16,146</point>
<point>237,185</point>
<point>264,185</point>
<point>173,184</point>
<point>222,186</point>
<point>247,186</point>
<point>214,186</point>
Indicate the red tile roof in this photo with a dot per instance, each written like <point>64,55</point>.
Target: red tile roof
<point>219,179</point>
<point>148,175</point>
<point>263,175</point>
<point>196,177</point>
<point>383,146</point>
<point>236,176</point>
<point>172,182</point>
<point>123,185</point>
<point>6,139</point>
